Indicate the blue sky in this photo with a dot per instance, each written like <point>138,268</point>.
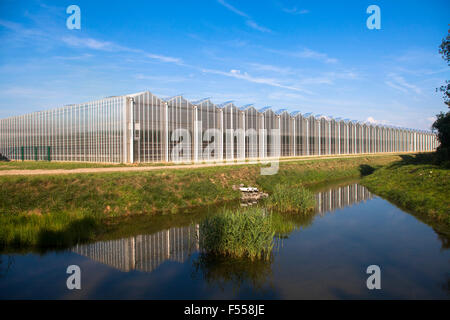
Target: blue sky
<point>312,56</point>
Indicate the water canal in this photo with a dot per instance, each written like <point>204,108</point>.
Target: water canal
<point>323,256</point>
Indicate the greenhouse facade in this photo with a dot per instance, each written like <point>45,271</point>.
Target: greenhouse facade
<point>144,128</point>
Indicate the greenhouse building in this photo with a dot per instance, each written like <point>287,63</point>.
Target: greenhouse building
<point>144,128</point>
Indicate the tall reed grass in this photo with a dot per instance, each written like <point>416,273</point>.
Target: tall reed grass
<point>293,199</point>
<point>242,233</point>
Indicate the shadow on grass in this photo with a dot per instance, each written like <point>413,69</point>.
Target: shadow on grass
<point>365,169</point>
<point>406,159</point>
<point>416,159</point>
<point>431,158</point>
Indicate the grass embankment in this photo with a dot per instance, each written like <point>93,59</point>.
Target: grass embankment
<point>38,210</point>
<point>55,165</point>
<point>417,184</point>
<point>38,165</point>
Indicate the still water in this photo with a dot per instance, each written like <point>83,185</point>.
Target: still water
<point>324,256</point>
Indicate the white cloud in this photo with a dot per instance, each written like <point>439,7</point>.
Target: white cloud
<point>280,96</point>
<point>308,53</point>
<point>305,54</point>
<point>90,43</point>
<point>245,76</point>
<point>233,9</point>
<point>100,45</point>
<point>394,86</point>
<point>397,82</point>
<point>372,120</point>
<point>252,24</point>
<point>19,29</point>
<point>164,58</point>
<point>295,11</point>
<point>317,80</point>
<point>161,78</point>
<point>272,68</point>
<point>330,77</point>
<point>79,57</point>
<point>322,78</point>
<point>81,42</point>
<point>429,121</point>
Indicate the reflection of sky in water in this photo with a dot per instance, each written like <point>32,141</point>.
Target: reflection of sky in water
<point>326,259</point>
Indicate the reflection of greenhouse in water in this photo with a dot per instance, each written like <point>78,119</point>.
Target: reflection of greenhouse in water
<point>143,252</point>
<point>333,199</point>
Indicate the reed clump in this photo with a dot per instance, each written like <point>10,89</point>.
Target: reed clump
<point>240,233</point>
<point>290,199</point>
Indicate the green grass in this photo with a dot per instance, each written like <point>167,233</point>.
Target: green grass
<point>308,173</point>
<point>290,199</point>
<point>417,184</point>
<point>245,233</point>
<point>57,202</point>
<point>54,165</point>
<point>44,165</point>
<point>119,193</point>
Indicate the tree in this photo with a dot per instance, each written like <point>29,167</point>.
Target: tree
<point>442,123</point>
<point>444,50</point>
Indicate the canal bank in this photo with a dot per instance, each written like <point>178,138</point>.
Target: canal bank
<point>418,184</point>
<point>62,210</point>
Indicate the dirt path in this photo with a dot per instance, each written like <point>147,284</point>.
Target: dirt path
<point>16,172</point>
